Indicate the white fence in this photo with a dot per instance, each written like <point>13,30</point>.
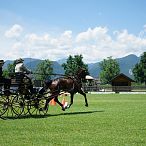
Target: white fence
<point>101,88</point>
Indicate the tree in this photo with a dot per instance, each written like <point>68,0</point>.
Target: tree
<point>73,64</point>
<point>10,70</point>
<point>44,70</point>
<point>109,69</point>
<point>139,71</point>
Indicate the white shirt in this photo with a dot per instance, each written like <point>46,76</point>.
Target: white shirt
<point>20,68</point>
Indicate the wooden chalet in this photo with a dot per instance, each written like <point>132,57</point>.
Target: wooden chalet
<point>121,83</point>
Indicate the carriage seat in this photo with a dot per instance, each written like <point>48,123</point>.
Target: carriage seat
<point>16,79</point>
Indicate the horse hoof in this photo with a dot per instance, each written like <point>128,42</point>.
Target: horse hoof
<point>86,105</point>
<point>68,106</point>
<point>63,109</point>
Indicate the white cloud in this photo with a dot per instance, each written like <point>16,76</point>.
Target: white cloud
<point>92,34</point>
<point>130,43</point>
<point>143,32</point>
<point>144,27</point>
<point>94,44</point>
<point>14,31</point>
<point>17,45</point>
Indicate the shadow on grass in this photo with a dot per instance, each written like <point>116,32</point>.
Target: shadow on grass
<point>50,115</point>
<point>73,113</point>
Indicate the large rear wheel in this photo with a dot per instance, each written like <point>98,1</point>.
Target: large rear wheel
<point>6,105</point>
<point>3,104</point>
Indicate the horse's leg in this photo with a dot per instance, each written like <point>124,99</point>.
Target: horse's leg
<point>47,102</point>
<point>71,99</point>
<point>56,100</point>
<point>49,99</point>
<point>84,94</point>
<point>55,96</point>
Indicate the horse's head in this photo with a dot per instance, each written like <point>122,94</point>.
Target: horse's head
<point>82,73</point>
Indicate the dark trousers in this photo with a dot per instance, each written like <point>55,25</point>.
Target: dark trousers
<point>22,79</point>
<point>5,82</point>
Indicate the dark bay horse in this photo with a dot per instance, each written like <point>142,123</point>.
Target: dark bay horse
<point>68,84</point>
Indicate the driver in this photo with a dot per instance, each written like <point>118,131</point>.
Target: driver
<point>22,72</point>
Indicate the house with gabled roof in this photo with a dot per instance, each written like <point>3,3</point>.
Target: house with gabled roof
<point>121,83</point>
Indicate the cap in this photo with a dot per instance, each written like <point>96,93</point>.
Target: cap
<point>20,60</point>
<point>1,61</point>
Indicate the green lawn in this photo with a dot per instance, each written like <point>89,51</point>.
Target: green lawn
<point>110,120</point>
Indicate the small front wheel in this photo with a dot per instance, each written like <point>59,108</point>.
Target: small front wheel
<point>18,105</point>
<point>36,107</point>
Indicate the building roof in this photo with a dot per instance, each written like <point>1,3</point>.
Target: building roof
<point>123,75</point>
<point>89,77</point>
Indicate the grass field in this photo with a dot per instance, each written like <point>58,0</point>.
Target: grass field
<point>110,120</point>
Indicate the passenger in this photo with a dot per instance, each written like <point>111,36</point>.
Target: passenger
<point>22,72</point>
<point>4,81</point>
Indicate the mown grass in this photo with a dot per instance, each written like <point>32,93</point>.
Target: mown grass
<point>110,120</point>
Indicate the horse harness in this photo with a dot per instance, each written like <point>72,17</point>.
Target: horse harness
<point>75,80</point>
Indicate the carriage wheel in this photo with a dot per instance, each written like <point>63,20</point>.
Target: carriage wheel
<point>18,105</point>
<point>25,111</point>
<point>22,106</point>
<point>6,106</point>
<point>3,105</point>
<point>36,107</point>
<point>42,111</point>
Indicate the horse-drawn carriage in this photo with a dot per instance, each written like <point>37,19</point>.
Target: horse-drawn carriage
<point>18,100</point>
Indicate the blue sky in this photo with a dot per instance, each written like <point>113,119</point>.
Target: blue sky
<point>54,29</point>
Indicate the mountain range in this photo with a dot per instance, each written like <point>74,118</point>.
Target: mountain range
<point>126,64</point>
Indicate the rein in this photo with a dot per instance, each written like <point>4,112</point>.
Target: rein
<point>51,74</point>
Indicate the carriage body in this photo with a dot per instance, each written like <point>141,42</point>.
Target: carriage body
<point>20,100</point>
